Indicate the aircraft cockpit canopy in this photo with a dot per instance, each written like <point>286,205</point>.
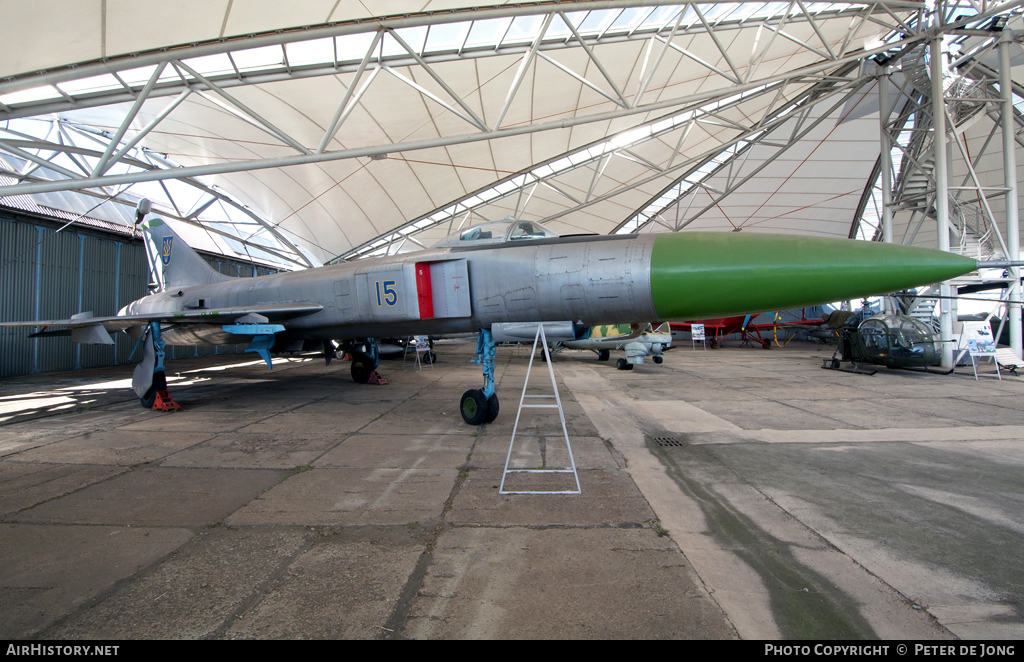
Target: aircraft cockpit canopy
<point>498,232</point>
<point>898,339</point>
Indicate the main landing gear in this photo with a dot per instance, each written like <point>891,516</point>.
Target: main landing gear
<point>149,381</point>
<point>481,406</point>
<point>365,359</point>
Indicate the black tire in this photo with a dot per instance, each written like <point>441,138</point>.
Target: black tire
<point>159,384</point>
<point>429,357</point>
<point>603,355</point>
<point>362,368</point>
<point>629,366</point>
<point>473,407</point>
<point>492,408</point>
<point>621,364</point>
<point>658,359</point>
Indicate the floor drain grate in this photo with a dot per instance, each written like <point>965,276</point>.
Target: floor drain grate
<point>669,441</point>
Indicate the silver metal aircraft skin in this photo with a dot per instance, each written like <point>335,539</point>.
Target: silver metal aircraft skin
<point>489,277</point>
<point>512,272</point>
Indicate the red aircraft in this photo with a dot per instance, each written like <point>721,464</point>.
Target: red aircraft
<point>716,329</point>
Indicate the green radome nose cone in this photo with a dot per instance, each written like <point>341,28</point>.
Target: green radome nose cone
<point>701,275</point>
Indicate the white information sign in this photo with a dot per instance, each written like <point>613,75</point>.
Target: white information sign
<point>978,338</point>
<point>697,331</point>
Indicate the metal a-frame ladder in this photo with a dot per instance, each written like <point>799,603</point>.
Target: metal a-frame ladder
<point>542,338</point>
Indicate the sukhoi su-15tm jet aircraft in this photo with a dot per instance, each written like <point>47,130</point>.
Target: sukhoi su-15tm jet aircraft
<point>488,276</point>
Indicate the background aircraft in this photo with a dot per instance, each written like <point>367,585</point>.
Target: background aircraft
<point>636,340</point>
<point>505,272</point>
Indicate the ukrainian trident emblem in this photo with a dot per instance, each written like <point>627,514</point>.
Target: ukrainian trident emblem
<point>165,253</point>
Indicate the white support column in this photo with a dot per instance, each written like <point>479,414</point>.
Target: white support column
<point>886,155</point>
<point>1010,174</point>
<point>885,165</point>
<point>941,193</point>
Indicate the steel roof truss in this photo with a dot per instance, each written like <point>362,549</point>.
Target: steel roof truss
<point>332,128</point>
<point>240,109</point>
<point>817,29</point>
<point>149,127</point>
<point>101,165</point>
<point>427,93</point>
<point>714,37</point>
<point>521,72</point>
<point>705,64</point>
<point>800,117</point>
<point>755,62</point>
<point>583,43</point>
<point>479,123</point>
<point>661,54</point>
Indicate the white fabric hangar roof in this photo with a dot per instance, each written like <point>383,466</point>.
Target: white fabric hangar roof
<point>307,131</point>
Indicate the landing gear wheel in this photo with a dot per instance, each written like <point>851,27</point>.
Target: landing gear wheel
<point>429,357</point>
<point>492,408</point>
<point>362,368</point>
<point>835,364</point>
<point>603,355</point>
<point>622,364</point>
<point>658,359</point>
<point>159,384</point>
<point>473,407</point>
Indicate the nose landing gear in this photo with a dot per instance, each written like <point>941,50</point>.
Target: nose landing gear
<point>481,405</point>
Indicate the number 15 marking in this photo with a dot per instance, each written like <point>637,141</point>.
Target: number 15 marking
<point>390,295</point>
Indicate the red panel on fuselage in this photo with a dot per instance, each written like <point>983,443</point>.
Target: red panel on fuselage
<point>426,296</point>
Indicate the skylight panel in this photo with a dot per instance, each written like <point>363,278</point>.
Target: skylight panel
<point>543,171</point>
<point>185,197</point>
<point>90,84</point>
<point>389,46</point>
<point>661,16</point>
<point>524,29</point>
<point>253,59</point>
<point>314,51</point>
<point>597,21</point>
<point>505,187</point>
<point>561,164</point>
<point>745,11</point>
<point>352,47</point>
<point>774,9</point>
<point>558,29</point>
<point>141,75</point>
<point>30,95</point>
<point>576,17</point>
<point>487,33</point>
<point>716,12</point>
<point>445,37</point>
<point>628,19</point>
<point>415,37</point>
<point>211,65</point>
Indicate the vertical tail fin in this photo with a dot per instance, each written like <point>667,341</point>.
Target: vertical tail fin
<point>171,262</point>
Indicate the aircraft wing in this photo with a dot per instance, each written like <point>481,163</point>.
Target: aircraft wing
<point>272,312</point>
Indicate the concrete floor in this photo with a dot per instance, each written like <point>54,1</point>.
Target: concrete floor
<point>795,502</point>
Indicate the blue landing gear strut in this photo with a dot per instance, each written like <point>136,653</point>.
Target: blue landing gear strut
<point>481,406</point>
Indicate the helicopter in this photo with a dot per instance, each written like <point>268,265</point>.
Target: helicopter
<point>891,340</point>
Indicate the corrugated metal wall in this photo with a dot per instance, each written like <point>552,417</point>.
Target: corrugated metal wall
<point>17,302</point>
<point>50,275</point>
